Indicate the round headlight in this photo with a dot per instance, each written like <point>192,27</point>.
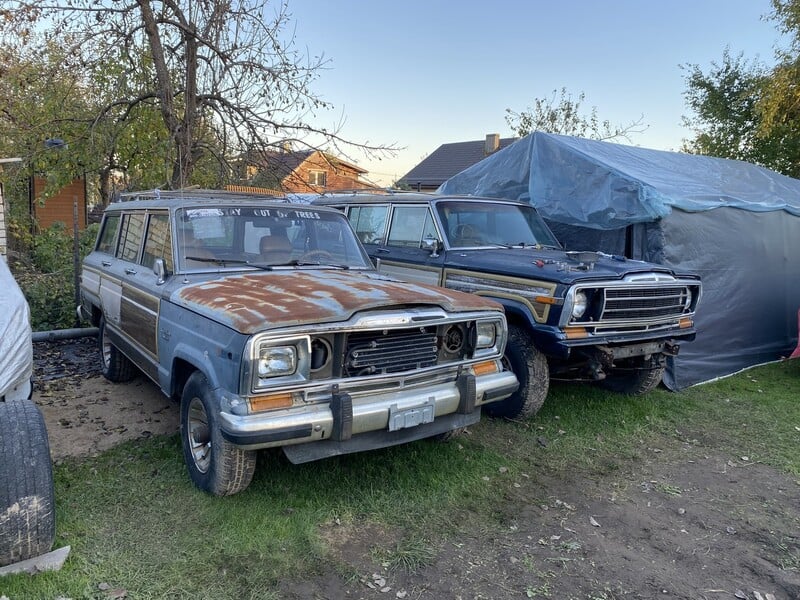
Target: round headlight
<point>579,304</point>
<point>687,303</point>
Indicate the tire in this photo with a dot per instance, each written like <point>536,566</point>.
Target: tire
<point>642,377</point>
<point>115,366</point>
<point>530,367</point>
<point>27,503</point>
<point>215,465</point>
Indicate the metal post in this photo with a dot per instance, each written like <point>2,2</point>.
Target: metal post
<point>76,255</point>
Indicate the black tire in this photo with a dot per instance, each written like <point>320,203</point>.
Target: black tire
<point>639,377</point>
<point>215,465</point>
<point>115,366</point>
<point>530,367</point>
<point>27,500</point>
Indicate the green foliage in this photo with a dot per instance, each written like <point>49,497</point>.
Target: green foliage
<point>563,116</point>
<point>746,111</point>
<point>47,276</point>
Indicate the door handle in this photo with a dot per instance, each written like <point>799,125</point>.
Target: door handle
<point>382,250</point>
<point>106,263</point>
<point>130,271</point>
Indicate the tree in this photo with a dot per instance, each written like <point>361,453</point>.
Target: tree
<point>561,114</point>
<point>725,105</point>
<point>223,77</point>
<point>747,111</point>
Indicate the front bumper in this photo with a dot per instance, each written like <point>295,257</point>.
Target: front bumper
<point>399,415</point>
<point>556,343</point>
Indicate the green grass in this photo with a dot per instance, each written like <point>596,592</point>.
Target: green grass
<point>136,523</point>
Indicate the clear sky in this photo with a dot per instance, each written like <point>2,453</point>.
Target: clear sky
<point>420,73</point>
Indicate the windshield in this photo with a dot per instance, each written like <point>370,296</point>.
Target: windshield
<point>469,224</point>
<point>255,236</point>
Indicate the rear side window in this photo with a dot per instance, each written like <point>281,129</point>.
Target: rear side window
<point>130,237</point>
<point>108,235</point>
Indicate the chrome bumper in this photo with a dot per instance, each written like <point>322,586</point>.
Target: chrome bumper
<point>345,418</point>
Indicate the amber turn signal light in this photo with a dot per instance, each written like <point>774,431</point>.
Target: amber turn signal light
<point>259,403</point>
<point>484,368</point>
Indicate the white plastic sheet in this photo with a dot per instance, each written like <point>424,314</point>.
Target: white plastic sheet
<point>16,351</point>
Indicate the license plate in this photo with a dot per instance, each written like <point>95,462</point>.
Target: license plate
<point>411,417</point>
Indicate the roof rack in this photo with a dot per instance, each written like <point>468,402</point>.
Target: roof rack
<point>367,191</point>
<point>192,192</point>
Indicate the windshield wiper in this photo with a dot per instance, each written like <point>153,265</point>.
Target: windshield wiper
<point>305,263</point>
<point>263,266</point>
<point>218,261</point>
<point>536,246</point>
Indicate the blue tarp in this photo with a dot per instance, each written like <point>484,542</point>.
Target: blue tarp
<point>606,186</point>
<point>734,223</point>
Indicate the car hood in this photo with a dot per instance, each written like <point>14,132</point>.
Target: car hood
<point>255,302</point>
<point>549,264</point>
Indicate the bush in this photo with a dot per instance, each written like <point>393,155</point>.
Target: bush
<point>47,276</point>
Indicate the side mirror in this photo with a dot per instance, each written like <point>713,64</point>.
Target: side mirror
<point>160,271</point>
<point>432,245</point>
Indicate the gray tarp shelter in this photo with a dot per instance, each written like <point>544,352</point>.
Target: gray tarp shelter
<point>734,223</point>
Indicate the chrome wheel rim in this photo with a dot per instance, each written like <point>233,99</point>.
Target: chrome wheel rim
<point>105,350</point>
<point>199,435</point>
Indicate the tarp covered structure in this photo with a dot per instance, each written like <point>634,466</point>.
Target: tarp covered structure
<point>734,223</point>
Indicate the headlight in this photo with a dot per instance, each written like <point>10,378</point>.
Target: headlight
<point>272,361</point>
<point>579,305</point>
<point>487,334</point>
<point>276,361</point>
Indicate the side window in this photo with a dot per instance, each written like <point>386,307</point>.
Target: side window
<point>369,222</point>
<point>130,237</point>
<point>410,225</point>
<point>158,242</point>
<point>108,235</point>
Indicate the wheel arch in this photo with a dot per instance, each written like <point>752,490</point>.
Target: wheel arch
<point>183,366</point>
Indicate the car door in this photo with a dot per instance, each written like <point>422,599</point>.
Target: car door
<point>404,253</point>
<point>101,276</point>
<point>144,237</point>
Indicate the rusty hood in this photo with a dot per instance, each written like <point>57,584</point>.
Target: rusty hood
<point>255,302</point>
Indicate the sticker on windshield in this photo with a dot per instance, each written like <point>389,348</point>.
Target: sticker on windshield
<point>196,213</point>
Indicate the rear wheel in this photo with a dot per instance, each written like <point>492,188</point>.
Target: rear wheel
<point>27,506</point>
<point>640,376</point>
<point>215,465</point>
<point>530,367</point>
<point>115,366</point>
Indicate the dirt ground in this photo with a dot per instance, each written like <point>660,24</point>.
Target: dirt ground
<point>86,414</point>
<point>677,523</point>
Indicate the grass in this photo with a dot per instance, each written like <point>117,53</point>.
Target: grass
<point>136,523</point>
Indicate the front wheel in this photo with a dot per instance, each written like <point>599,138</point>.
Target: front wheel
<point>530,367</point>
<point>638,377</point>
<point>215,465</point>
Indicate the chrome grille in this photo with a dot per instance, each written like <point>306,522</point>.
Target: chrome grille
<point>642,303</point>
<point>391,351</point>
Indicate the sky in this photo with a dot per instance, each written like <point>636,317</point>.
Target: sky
<point>415,74</point>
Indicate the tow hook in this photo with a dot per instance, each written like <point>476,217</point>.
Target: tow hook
<point>671,348</point>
